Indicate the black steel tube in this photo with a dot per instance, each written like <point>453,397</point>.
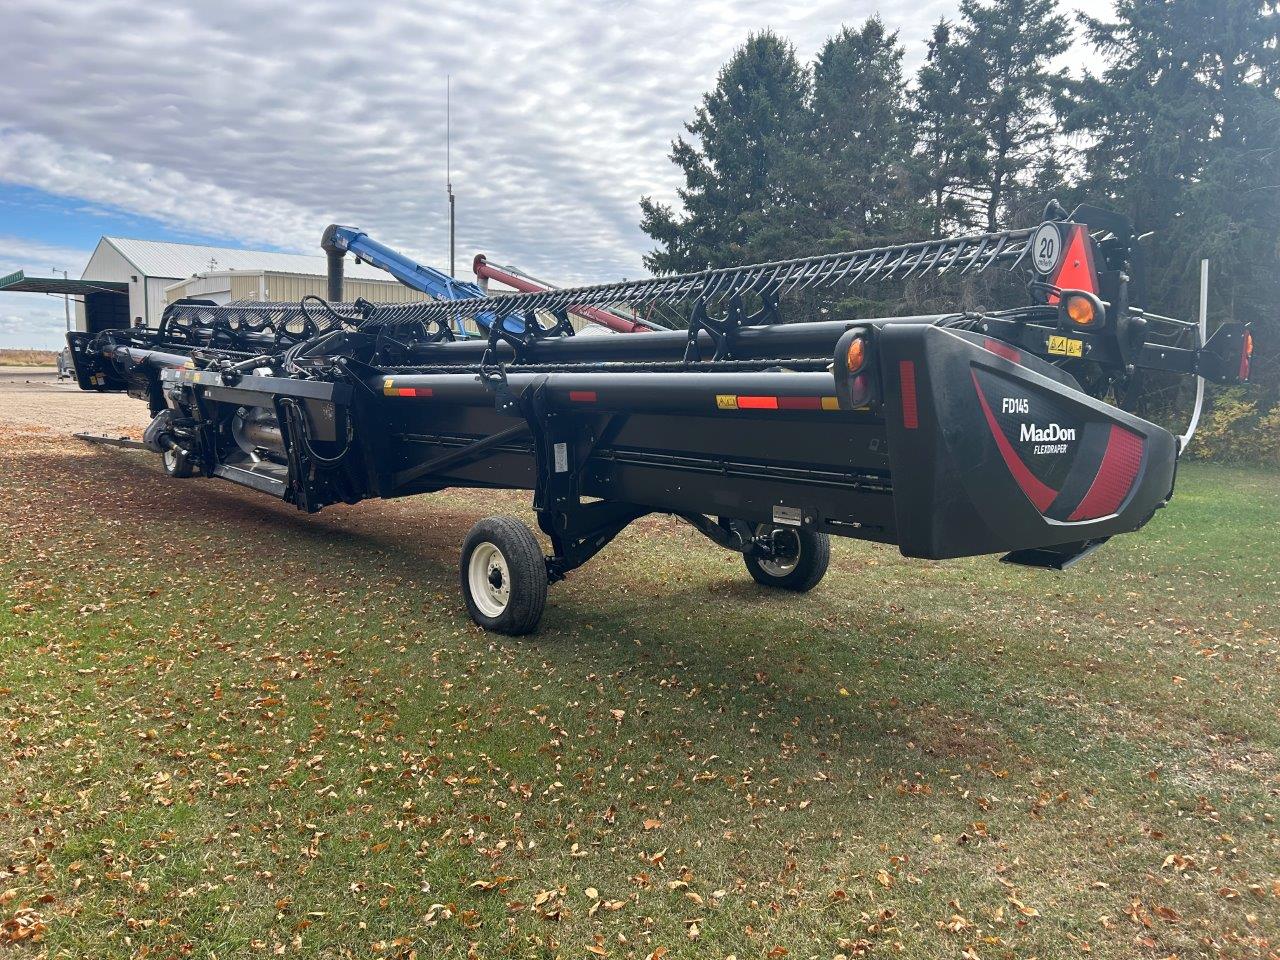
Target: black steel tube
<point>336,252</point>
<point>799,340</point>
<point>154,358</point>
<point>336,258</point>
<point>679,393</point>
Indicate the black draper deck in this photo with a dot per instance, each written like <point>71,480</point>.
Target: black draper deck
<point>948,435</point>
<point>664,442</point>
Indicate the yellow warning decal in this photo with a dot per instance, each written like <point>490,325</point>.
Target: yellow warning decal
<point>727,401</point>
<point>1066,347</point>
<point>387,389</point>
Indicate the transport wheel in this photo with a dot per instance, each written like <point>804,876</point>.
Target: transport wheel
<point>800,572</point>
<point>504,576</point>
<point>178,464</point>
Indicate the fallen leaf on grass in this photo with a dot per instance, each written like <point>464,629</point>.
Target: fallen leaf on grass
<point>25,924</point>
<point>854,948</point>
<point>486,885</point>
<point>1023,909</point>
<point>957,924</point>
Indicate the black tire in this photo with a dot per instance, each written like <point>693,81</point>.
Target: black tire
<point>810,564</point>
<point>178,464</point>
<point>507,591</point>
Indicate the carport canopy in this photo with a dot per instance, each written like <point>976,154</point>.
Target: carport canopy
<point>19,282</point>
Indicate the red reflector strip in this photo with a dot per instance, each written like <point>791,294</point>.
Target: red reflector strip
<point>1003,350</point>
<point>799,403</point>
<point>910,408</point>
<point>413,391</point>
<point>757,403</point>
<point>1120,463</point>
<point>582,396</point>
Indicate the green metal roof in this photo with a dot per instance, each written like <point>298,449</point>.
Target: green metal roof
<point>19,282</point>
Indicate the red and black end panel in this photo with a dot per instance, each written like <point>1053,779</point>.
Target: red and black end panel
<point>992,453</point>
<point>93,371</point>
<point>1070,466</point>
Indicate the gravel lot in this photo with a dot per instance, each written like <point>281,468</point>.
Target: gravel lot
<point>32,397</point>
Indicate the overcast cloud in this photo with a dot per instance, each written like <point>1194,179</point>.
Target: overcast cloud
<point>266,121</point>
<point>35,319</point>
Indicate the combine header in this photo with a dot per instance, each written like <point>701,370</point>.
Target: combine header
<point>948,435</point>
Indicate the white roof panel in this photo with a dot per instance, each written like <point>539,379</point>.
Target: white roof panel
<point>157,258</point>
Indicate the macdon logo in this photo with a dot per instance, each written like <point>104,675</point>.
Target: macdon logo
<point>1053,433</point>
<point>1048,440</point>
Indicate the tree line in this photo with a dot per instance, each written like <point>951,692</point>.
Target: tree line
<point>1168,112</point>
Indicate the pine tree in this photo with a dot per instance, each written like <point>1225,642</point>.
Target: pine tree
<point>1185,131</point>
<point>861,139</point>
<point>944,134</point>
<point>738,199</point>
<point>1003,50</point>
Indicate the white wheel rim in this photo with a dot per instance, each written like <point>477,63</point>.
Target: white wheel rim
<point>780,568</point>
<point>489,580</point>
<point>170,459</point>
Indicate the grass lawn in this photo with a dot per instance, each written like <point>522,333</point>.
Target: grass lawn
<point>231,729</point>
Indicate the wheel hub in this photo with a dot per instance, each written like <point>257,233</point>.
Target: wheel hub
<point>785,546</point>
<point>489,579</point>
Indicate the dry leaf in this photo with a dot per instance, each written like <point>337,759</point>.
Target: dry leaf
<point>1023,909</point>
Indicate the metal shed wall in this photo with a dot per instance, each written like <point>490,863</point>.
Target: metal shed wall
<point>107,264</point>
<point>295,286</point>
<point>284,287</point>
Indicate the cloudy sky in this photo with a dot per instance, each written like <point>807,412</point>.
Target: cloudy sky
<point>256,124</point>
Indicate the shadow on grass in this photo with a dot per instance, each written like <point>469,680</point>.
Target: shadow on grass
<point>782,659</point>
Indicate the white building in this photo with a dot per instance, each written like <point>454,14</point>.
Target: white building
<point>153,273</point>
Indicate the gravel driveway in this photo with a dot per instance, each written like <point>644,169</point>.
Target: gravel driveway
<point>34,397</point>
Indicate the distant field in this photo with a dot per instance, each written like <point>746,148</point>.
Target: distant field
<point>230,729</point>
<point>28,358</point>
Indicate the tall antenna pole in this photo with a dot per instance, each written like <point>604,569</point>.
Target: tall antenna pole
<point>66,301</point>
<point>448,163</point>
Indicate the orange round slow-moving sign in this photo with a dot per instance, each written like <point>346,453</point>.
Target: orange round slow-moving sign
<point>1080,311</point>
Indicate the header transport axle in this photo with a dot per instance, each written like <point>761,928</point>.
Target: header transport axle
<point>948,435</point>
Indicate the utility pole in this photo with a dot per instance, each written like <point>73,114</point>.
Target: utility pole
<point>66,301</point>
<point>448,163</point>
